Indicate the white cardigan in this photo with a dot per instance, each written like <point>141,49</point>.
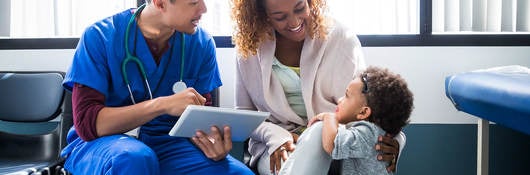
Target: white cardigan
<point>326,68</point>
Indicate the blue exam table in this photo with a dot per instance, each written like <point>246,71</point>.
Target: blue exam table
<point>500,95</point>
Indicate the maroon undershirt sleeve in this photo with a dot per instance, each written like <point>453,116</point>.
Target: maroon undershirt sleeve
<point>86,104</point>
<point>208,97</point>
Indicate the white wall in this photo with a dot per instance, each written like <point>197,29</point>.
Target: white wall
<point>425,69</point>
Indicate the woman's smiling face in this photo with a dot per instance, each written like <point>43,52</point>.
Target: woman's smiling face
<point>290,18</point>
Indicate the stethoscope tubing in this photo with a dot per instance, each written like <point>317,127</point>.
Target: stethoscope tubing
<point>129,57</point>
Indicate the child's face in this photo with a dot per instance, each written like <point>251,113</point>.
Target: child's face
<point>353,104</point>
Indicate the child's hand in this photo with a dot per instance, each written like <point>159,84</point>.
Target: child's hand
<point>314,120</point>
<point>318,117</point>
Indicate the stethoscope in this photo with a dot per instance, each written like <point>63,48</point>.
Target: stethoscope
<point>177,87</point>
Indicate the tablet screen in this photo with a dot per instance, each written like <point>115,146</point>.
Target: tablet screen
<point>242,122</point>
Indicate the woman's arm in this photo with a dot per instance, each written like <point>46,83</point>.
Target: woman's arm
<point>268,133</point>
<point>242,97</point>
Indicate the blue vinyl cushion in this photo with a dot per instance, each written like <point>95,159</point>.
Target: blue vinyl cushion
<point>498,95</point>
<point>30,97</point>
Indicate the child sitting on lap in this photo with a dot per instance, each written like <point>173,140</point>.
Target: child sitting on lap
<point>375,103</point>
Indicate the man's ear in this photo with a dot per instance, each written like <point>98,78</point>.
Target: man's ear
<point>159,4</point>
<point>364,113</point>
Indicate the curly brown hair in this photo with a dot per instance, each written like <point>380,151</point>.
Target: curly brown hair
<point>389,98</point>
<point>252,27</point>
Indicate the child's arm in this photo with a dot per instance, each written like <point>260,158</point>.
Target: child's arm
<point>329,130</point>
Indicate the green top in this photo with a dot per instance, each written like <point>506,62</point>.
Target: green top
<point>290,79</point>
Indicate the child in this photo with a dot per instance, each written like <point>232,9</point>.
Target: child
<point>375,103</point>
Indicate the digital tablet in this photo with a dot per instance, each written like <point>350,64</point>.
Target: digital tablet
<point>242,122</point>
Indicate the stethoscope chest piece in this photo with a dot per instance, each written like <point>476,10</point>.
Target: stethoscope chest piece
<point>179,86</point>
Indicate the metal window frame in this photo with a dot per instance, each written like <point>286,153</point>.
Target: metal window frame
<point>425,38</point>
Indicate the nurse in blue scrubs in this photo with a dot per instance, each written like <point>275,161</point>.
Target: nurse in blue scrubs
<point>139,69</point>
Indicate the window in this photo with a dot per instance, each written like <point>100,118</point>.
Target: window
<point>217,19</point>
<point>377,22</point>
<point>69,18</point>
<point>377,16</point>
<point>480,16</point>
<point>59,18</point>
<point>363,16</point>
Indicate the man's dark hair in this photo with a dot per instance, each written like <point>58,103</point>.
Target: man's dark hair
<point>389,98</point>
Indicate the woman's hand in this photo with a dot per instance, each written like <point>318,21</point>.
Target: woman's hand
<point>390,151</point>
<point>214,146</point>
<point>295,137</point>
<point>280,154</point>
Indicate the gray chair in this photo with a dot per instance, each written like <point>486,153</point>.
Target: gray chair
<point>35,115</point>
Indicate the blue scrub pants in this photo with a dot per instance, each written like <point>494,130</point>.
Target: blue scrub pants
<point>149,155</point>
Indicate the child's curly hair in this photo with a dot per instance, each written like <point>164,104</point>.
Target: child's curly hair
<point>252,27</point>
<point>389,98</point>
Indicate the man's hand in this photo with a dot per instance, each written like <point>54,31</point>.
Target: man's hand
<point>214,146</point>
<point>175,104</point>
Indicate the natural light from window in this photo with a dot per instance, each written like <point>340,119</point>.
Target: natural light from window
<point>60,18</point>
<point>69,18</point>
<point>377,16</point>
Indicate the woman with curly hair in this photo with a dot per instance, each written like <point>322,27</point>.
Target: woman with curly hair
<point>375,103</point>
<point>294,63</point>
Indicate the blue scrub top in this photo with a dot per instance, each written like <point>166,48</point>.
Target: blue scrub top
<point>100,52</point>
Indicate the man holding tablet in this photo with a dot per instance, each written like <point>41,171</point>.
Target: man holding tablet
<point>194,118</point>
<point>122,77</point>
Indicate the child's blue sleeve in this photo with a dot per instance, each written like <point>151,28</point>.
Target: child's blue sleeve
<point>354,142</point>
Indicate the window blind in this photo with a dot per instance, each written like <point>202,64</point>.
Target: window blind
<point>480,16</point>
